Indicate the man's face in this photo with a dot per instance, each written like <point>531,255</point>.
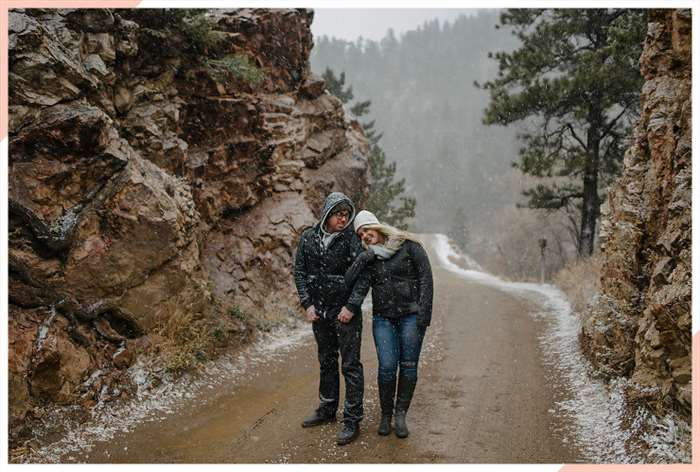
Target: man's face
<point>337,221</point>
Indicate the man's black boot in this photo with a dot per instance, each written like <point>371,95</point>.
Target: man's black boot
<point>386,403</point>
<point>404,395</point>
<point>317,418</point>
<point>348,433</point>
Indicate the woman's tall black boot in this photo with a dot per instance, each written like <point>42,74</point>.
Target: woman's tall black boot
<point>386,403</point>
<point>403,401</point>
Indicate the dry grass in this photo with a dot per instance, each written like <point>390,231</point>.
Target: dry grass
<point>188,340</point>
<point>580,280</point>
<point>185,343</point>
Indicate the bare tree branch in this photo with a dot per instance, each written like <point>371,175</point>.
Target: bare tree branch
<point>573,133</point>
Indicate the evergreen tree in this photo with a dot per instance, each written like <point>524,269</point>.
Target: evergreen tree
<point>576,74</point>
<point>336,85</point>
<point>383,190</point>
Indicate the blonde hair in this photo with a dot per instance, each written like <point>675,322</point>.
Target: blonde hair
<point>393,237</point>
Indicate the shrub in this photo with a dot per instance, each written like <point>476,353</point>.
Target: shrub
<point>200,36</point>
<point>176,30</point>
<point>238,314</point>
<point>237,65</point>
<point>219,333</point>
<point>580,280</point>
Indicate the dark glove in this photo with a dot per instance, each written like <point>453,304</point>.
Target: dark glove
<point>368,255</point>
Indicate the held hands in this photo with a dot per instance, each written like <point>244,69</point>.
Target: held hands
<point>345,315</point>
<point>311,315</point>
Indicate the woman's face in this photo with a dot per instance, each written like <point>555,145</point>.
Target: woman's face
<point>370,236</point>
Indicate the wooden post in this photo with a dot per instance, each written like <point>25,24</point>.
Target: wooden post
<point>543,246</point>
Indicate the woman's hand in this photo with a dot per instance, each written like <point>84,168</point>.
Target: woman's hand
<point>345,315</point>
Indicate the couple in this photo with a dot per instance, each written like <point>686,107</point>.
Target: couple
<point>333,272</point>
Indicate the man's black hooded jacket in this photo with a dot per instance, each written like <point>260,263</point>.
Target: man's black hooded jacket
<point>319,272</point>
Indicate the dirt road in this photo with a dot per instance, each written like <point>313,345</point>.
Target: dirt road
<point>484,396</point>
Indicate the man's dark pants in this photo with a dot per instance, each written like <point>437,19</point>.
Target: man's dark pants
<point>333,337</point>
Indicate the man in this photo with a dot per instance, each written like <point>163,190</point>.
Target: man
<point>325,252</point>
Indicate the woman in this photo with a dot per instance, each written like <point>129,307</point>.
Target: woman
<point>402,300</point>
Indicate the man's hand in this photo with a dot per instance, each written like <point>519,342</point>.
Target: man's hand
<point>345,315</point>
<point>311,315</point>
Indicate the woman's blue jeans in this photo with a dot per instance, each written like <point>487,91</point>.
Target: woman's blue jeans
<point>398,342</point>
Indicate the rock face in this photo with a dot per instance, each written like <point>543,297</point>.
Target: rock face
<point>641,326</point>
<point>162,166</point>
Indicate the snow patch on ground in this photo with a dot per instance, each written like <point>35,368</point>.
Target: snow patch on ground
<point>595,409</point>
<point>159,395</point>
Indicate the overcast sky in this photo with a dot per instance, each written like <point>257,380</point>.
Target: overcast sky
<point>373,24</point>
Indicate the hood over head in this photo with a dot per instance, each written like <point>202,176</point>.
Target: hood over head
<point>333,200</point>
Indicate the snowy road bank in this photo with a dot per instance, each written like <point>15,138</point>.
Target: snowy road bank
<point>596,409</point>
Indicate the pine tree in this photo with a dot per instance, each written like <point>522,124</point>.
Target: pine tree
<point>576,77</point>
<point>336,85</point>
<point>383,190</point>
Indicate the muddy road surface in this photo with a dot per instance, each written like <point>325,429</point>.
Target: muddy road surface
<point>484,395</point>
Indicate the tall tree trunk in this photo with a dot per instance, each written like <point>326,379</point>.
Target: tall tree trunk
<point>591,205</point>
<point>589,210</point>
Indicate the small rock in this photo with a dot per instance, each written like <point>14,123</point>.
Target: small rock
<point>106,331</point>
<point>124,357</point>
<point>313,87</point>
<point>123,100</point>
<point>95,20</point>
<point>102,44</point>
<point>662,270</point>
<point>94,63</point>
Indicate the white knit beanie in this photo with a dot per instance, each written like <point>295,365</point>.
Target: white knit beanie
<point>364,218</point>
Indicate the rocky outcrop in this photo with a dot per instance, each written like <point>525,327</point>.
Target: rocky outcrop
<point>162,166</point>
<point>641,326</point>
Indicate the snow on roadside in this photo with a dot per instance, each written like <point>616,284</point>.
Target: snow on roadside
<point>596,409</point>
<point>152,403</point>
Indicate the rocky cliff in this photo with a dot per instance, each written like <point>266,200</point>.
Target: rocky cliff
<point>162,165</point>
<point>640,327</point>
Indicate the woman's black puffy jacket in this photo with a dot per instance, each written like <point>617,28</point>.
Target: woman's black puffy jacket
<point>401,285</point>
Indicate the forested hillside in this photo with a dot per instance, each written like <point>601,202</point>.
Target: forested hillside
<point>430,112</point>
<point>425,103</point>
